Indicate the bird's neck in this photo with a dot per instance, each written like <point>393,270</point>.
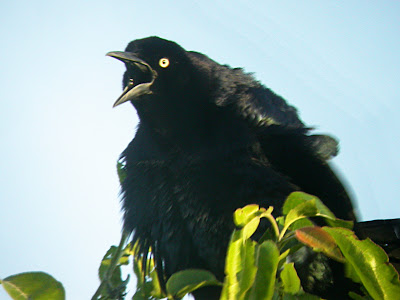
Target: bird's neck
<point>180,117</point>
<point>207,131</point>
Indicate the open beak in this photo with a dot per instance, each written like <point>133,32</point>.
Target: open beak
<point>144,76</point>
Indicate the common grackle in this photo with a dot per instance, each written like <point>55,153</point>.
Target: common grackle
<point>211,139</point>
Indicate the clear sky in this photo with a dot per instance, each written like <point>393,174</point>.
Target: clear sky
<point>337,62</point>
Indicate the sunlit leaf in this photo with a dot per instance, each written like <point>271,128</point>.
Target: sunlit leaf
<point>267,258</point>
<point>295,199</point>
<point>283,255</point>
<point>115,280</point>
<point>247,274</point>
<point>290,280</point>
<point>240,267</point>
<point>243,215</point>
<point>184,282</point>
<point>33,285</point>
<point>121,170</point>
<point>250,228</point>
<point>300,205</point>
<point>370,263</point>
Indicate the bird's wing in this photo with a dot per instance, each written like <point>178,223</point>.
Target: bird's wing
<point>241,91</point>
<point>259,106</point>
<point>283,137</point>
<point>294,156</point>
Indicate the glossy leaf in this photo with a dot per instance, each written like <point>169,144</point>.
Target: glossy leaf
<point>184,282</point>
<point>106,262</point>
<point>303,210</point>
<point>232,266</point>
<point>295,199</point>
<point>121,170</point>
<point>370,263</point>
<point>358,297</point>
<point>248,273</point>
<point>244,215</point>
<point>267,259</point>
<point>320,241</point>
<point>250,228</point>
<point>240,267</point>
<point>300,205</point>
<point>33,285</point>
<point>290,280</point>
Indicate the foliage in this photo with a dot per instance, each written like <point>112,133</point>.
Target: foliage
<point>33,285</point>
<point>112,285</point>
<point>260,270</point>
<point>253,269</point>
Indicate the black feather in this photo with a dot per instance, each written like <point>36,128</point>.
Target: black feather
<point>212,139</point>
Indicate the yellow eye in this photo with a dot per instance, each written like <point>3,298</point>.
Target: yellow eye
<point>164,62</point>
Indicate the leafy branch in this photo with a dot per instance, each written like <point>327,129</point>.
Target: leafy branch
<point>261,270</point>
<point>253,269</point>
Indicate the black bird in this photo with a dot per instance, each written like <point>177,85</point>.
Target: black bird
<point>211,139</point>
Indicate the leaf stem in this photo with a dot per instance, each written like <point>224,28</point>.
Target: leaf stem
<point>283,232</point>
<point>274,224</point>
<point>113,265</point>
<point>287,238</point>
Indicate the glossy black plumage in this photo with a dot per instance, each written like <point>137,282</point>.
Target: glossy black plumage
<point>211,139</point>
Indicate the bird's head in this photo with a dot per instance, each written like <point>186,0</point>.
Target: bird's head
<point>155,68</point>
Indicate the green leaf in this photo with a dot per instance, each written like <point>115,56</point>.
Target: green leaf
<point>299,199</point>
<point>321,241</point>
<point>139,296</point>
<point>280,221</point>
<point>303,210</point>
<point>240,267</point>
<point>233,265</point>
<point>358,297</point>
<point>300,205</point>
<point>248,272</point>
<point>243,215</point>
<point>156,290</point>
<point>148,284</point>
<point>269,234</point>
<point>300,224</point>
<point>121,170</point>
<point>284,254</point>
<point>115,280</point>
<point>370,263</point>
<point>33,285</point>
<point>267,258</point>
<point>250,228</point>
<point>295,199</point>
<point>290,280</point>
<point>296,203</point>
<point>351,273</point>
<point>186,281</point>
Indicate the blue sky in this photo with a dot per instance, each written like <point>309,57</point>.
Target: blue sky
<point>338,63</point>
